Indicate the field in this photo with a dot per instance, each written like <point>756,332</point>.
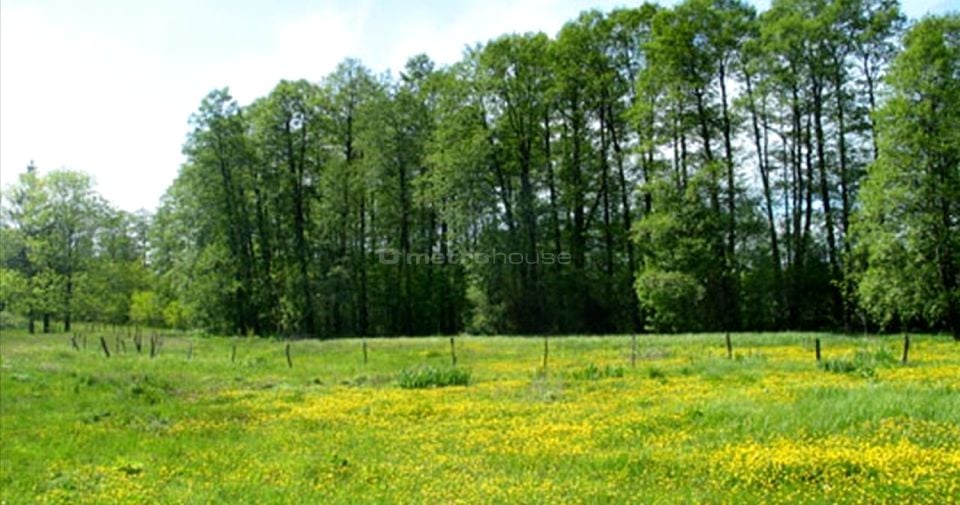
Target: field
<point>202,423</point>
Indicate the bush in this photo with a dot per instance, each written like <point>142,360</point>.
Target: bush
<point>429,376</point>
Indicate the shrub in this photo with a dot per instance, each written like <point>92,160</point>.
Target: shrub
<point>429,376</point>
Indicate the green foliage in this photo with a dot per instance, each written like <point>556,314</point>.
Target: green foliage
<point>13,289</point>
<point>176,315</point>
<point>908,228</point>
<point>66,253</point>
<point>484,318</point>
<point>430,377</point>
<point>146,309</point>
<point>670,300</point>
<point>693,167</point>
<point>10,320</point>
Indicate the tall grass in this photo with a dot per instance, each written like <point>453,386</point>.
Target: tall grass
<point>432,377</point>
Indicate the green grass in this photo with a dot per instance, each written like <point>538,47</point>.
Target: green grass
<point>594,372</point>
<point>197,424</point>
<point>431,376</point>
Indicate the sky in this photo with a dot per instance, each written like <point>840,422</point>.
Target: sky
<point>107,87</point>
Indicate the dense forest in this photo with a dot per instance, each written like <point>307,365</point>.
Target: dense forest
<point>694,168</point>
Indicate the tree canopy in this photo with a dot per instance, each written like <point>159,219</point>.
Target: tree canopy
<point>699,167</point>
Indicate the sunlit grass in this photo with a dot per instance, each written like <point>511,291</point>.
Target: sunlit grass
<point>685,424</point>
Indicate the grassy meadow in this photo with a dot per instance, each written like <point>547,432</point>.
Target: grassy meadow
<point>202,423</point>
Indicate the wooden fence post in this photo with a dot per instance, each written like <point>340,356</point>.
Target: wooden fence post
<point>289,359</point>
<point>453,352</point>
<point>233,353</point>
<point>364,351</point>
<point>729,347</point>
<point>816,344</point>
<point>633,351</point>
<point>906,347</point>
<point>106,349</point>
<point>546,353</point>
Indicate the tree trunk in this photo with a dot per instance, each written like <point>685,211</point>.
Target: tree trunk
<point>824,182</point>
<point>551,182</point>
<point>69,308</point>
<point>605,188</point>
<point>731,275</point>
<point>825,198</point>
<point>577,246</point>
<point>846,295</point>
<point>299,225</point>
<point>868,76</point>
<point>632,303</point>
<point>406,311</point>
<point>364,310</point>
<point>718,279</point>
<point>763,165</point>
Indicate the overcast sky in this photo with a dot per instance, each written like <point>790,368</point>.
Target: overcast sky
<point>106,87</point>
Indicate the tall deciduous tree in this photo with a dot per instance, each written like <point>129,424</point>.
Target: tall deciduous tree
<point>690,167</point>
<point>909,225</point>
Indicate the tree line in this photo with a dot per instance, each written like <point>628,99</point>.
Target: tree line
<point>700,167</point>
<point>67,255</point>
